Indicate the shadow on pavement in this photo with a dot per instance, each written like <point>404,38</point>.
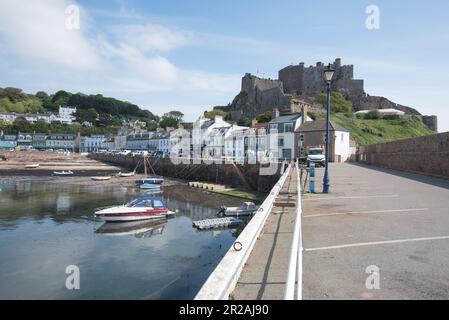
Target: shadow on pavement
<point>438,182</point>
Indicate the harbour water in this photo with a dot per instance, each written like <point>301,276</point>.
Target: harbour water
<point>46,226</point>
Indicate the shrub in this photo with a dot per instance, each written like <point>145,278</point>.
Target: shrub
<point>339,104</point>
<point>373,115</point>
<point>312,115</point>
<point>392,117</point>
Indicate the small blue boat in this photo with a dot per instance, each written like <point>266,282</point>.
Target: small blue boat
<point>152,192</point>
<point>150,180</point>
<point>151,186</point>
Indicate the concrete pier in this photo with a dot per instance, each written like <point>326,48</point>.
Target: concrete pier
<point>265,271</point>
<point>378,234</point>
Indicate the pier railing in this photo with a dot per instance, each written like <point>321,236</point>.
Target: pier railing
<point>223,279</point>
<point>294,274</point>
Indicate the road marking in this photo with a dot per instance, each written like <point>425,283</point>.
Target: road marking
<point>353,197</point>
<point>363,212</point>
<point>363,244</point>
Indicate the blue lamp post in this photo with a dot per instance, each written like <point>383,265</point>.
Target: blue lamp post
<point>328,74</point>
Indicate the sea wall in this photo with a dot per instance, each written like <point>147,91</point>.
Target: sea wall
<point>232,175</point>
<point>428,155</point>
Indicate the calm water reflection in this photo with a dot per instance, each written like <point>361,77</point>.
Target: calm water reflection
<point>45,226</point>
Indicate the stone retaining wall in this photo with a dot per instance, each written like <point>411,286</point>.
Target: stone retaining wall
<point>427,155</point>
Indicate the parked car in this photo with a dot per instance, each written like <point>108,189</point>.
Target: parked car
<point>139,153</point>
<point>316,155</point>
<point>124,152</point>
<point>3,158</point>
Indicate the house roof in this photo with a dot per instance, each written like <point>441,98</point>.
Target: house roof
<point>319,125</point>
<point>288,118</point>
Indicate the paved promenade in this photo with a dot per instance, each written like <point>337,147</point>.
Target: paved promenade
<point>394,221</point>
<point>379,234</point>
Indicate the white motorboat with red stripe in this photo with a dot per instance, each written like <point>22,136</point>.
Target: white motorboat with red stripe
<point>144,208</point>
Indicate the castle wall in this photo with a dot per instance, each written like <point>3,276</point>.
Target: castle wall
<point>292,78</point>
<point>298,79</point>
<point>431,122</point>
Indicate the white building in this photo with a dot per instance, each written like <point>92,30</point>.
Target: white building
<point>66,114</point>
<point>92,143</point>
<point>163,142</point>
<point>385,112</point>
<point>8,117</point>
<point>281,134</point>
<point>234,144</point>
<point>206,137</point>
<point>312,135</point>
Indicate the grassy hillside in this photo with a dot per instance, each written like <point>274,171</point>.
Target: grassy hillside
<point>381,130</point>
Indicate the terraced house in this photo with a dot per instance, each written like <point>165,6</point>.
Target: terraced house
<point>65,141</point>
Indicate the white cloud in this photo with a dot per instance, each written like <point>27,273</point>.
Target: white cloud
<point>124,61</point>
<point>150,38</point>
<point>36,31</point>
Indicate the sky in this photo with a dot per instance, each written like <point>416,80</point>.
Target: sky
<point>190,55</point>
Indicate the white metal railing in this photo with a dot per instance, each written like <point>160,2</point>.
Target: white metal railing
<point>223,279</point>
<point>295,263</point>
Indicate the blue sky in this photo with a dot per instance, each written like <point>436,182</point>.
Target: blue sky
<point>191,55</point>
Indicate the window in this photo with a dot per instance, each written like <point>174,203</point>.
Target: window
<point>342,137</point>
<point>288,127</point>
<point>273,126</point>
<point>281,142</point>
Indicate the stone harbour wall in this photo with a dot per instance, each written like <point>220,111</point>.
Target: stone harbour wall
<point>428,155</point>
<point>246,176</point>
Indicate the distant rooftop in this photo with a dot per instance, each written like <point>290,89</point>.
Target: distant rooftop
<point>319,125</point>
<point>287,118</point>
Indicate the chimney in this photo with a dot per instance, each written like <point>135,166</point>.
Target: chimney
<point>275,113</point>
<point>304,114</point>
<point>218,119</point>
<point>253,123</point>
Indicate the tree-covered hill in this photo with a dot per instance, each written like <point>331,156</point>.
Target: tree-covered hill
<point>15,100</point>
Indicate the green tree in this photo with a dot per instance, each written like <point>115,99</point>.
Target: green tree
<point>13,94</point>
<point>264,117</point>
<point>215,112</point>
<point>83,115</point>
<point>171,119</point>
<point>244,121</point>
<point>21,125</point>
<point>41,95</point>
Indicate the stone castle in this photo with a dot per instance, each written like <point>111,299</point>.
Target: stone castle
<point>296,85</point>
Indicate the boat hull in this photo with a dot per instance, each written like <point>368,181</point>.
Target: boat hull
<point>150,181</point>
<point>115,215</point>
<point>100,178</point>
<point>150,186</point>
<point>132,217</point>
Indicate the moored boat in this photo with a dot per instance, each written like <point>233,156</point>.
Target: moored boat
<point>100,178</point>
<point>126,174</point>
<point>246,209</point>
<point>150,186</point>
<point>144,208</point>
<point>63,173</point>
<point>32,166</point>
<point>151,180</point>
<point>152,192</point>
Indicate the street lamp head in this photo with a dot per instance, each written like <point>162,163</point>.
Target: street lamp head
<point>329,73</point>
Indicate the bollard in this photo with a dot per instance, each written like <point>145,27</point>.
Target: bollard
<point>312,177</point>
